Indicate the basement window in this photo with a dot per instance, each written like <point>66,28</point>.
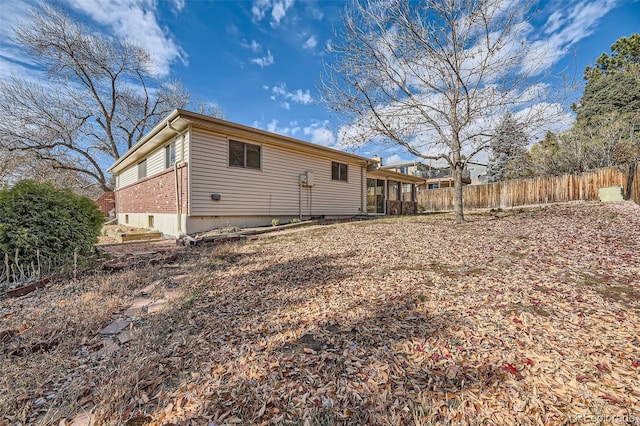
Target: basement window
<point>339,171</point>
<point>244,155</point>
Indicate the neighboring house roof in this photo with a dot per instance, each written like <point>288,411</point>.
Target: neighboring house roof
<point>179,121</point>
<point>390,174</point>
<point>436,164</point>
<point>400,164</point>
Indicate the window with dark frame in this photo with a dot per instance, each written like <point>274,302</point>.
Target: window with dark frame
<point>339,171</point>
<point>244,155</point>
<point>142,169</point>
<point>407,192</point>
<point>393,190</point>
<point>169,155</point>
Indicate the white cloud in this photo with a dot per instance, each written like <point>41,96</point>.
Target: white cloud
<point>319,133</point>
<point>554,22</point>
<point>395,158</point>
<point>290,130</point>
<point>278,9</point>
<point>12,13</point>
<point>178,5</point>
<point>317,14</point>
<point>136,20</point>
<point>253,45</point>
<point>264,61</point>
<point>563,29</point>
<point>259,9</point>
<point>272,126</point>
<point>328,45</point>
<point>133,20</point>
<point>12,63</point>
<point>299,96</point>
<point>310,43</point>
<point>280,90</point>
<point>12,59</point>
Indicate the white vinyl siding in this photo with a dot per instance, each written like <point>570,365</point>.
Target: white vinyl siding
<point>155,163</point>
<point>178,142</point>
<point>271,191</point>
<point>128,176</point>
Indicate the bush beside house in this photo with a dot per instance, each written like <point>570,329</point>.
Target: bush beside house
<point>44,225</point>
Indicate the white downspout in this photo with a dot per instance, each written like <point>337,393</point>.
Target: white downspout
<point>176,182</point>
<point>362,188</point>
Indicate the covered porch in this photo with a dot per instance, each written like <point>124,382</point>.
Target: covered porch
<point>391,193</point>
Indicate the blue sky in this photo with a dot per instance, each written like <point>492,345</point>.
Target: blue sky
<point>261,60</point>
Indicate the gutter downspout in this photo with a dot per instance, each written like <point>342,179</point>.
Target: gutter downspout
<point>181,234</point>
<point>362,172</point>
<point>363,188</point>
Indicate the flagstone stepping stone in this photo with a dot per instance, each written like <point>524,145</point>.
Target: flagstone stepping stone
<point>171,294</point>
<point>179,278</point>
<point>138,304</point>
<point>125,336</point>
<point>83,419</point>
<point>115,327</point>
<point>172,266</point>
<point>150,288</point>
<point>156,306</point>
<point>109,347</point>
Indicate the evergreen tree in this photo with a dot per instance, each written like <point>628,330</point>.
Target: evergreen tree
<point>607,131</point>
<point>508,147</point>
<point>613,84</point>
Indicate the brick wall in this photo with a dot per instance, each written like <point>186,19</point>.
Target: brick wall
<point>106,202</point>
<point>155,194</point>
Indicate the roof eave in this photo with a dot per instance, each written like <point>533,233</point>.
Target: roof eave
<point>180,119</point>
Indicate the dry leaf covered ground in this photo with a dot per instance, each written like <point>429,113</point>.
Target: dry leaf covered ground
<point>519,317</point>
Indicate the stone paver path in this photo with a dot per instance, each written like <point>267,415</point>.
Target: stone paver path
<point>120,330</point>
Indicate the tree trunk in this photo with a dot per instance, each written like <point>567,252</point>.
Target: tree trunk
<point>631,176</point>
<point>457,190</point>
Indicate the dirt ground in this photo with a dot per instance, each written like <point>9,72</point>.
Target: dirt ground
<point>517,317</point>
<point>109,233</point>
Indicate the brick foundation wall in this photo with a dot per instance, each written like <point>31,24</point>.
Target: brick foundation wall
<point>155,194</point>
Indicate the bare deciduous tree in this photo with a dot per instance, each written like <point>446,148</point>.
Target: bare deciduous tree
<point>101,96</point>
<point>20,164</point>
<point>435,76</point>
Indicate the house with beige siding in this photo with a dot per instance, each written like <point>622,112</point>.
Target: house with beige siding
<point>194,173</point>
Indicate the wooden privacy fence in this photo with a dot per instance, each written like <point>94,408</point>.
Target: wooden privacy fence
<point>540,190</point>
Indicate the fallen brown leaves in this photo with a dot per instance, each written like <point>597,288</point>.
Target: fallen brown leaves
<point>524,317</point>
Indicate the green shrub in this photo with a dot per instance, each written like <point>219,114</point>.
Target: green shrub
<point>44,223</point>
